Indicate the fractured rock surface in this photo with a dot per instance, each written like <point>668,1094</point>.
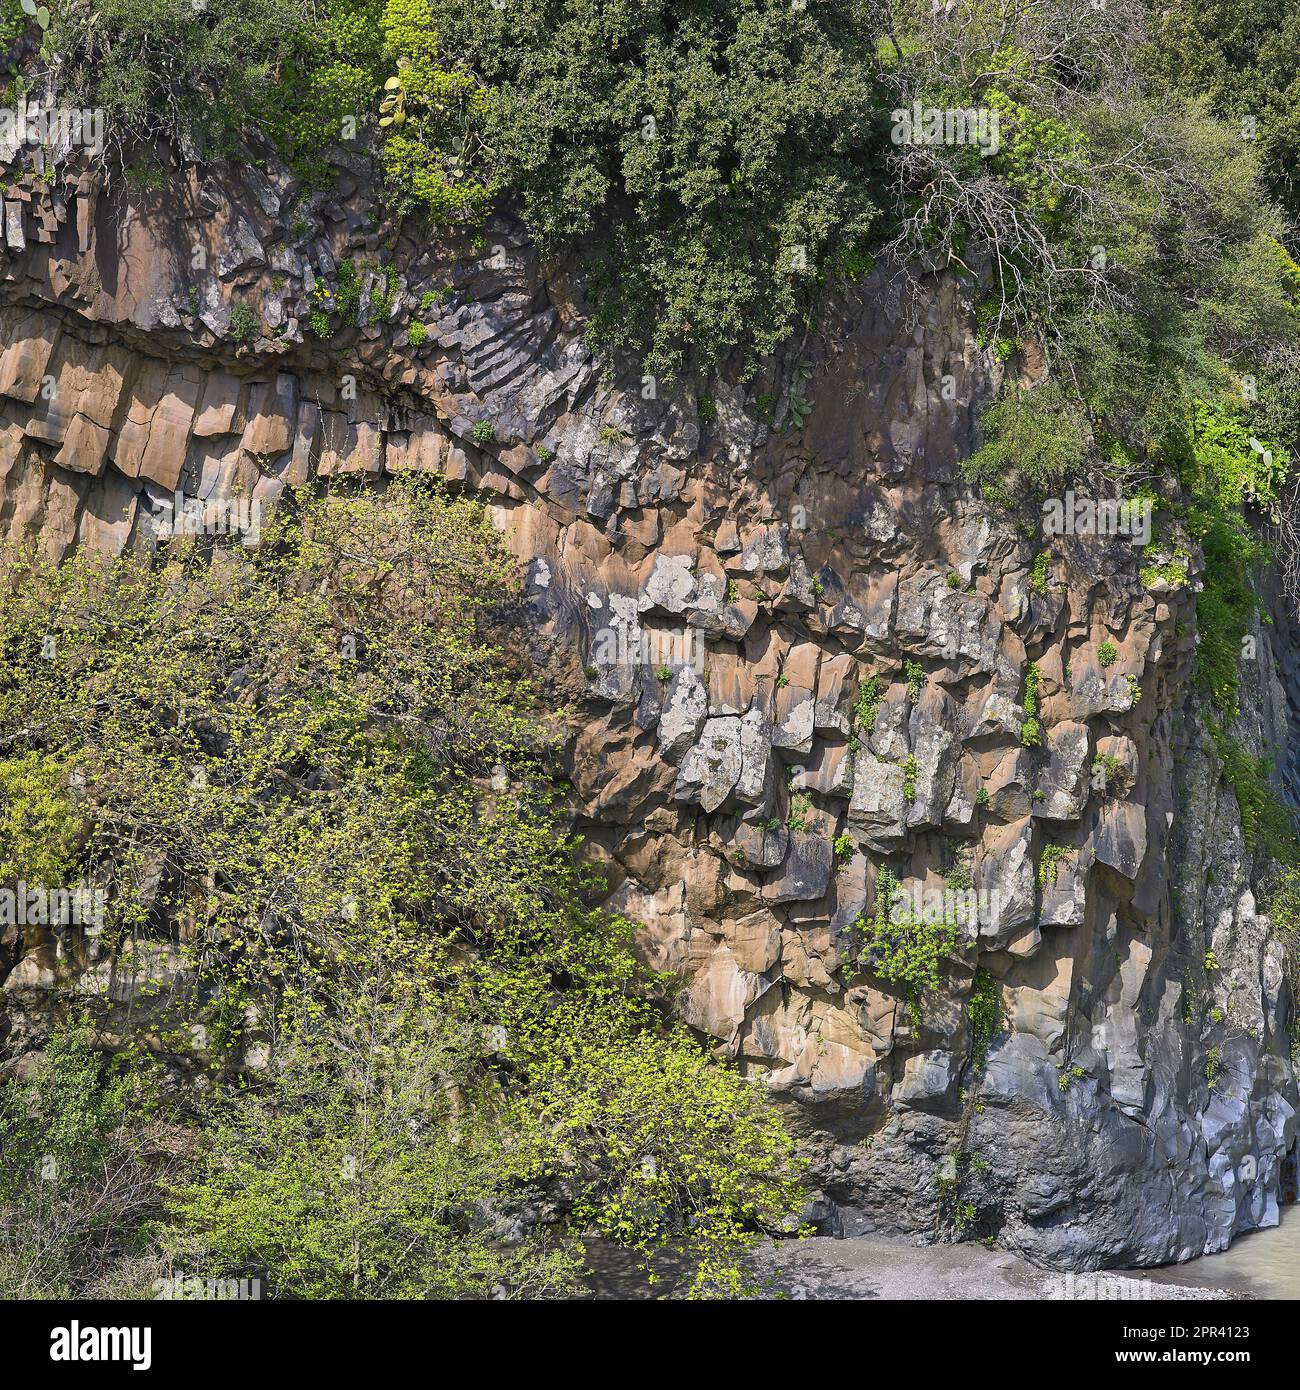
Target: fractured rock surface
<point>715,595</point>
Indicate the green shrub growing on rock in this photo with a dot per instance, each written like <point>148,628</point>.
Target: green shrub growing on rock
<point>720,152</point>
<point>306,735</point>
<point>1031,731</point>
<point>172,70</point>
<point>903,948</point>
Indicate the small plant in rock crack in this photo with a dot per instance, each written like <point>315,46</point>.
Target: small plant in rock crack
<point>1049,862</point>
<point>347,296</point>
<point>1038,574</point>
<point>782,681</point>
<point>1068,1076</point>
<point>958,876</point>
<point>1031,732</point>
<point>663,674</point>
<point>982,797</point>
<point>1105,768</point>
<point>797,411</point>
<point>733,591</point>
<point>484,433</point>
<point>843,847</point>
<point>799,808</point>
<point>1211,961</point>
<point>708,409</point>
<point>416,334</point>
<point>1213,1065</point>
<point>1189,998</point>
<point>797,405</point>
<point>903,947</point>
<point>244,325</point>
<point>867,705</point>
<point>915,674</point>
<point>909,778</point>
<point>983,1011</point>
<point>1106,654</point>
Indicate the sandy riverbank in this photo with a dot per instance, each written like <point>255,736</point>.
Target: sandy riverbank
<point>865,1267</point>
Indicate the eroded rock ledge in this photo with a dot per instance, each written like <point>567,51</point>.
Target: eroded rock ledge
<point>712,594</point>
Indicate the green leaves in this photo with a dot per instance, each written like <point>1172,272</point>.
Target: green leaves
<point>314,755</point>
<point>433,113</point>
<point>40,831</point>
<point>167,69</point>
<point>721,154</point>
<point>37,12</point>
<point>905,948</point>
<point>80,1178</point>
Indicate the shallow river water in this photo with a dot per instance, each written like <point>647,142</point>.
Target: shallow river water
<point>1264,1264</point>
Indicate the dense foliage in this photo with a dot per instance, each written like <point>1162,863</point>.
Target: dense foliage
<point>172,69</point>
<point>1136,285</point>
<point>1241,54</point>
<point>721,152</point>
<point>83,1156</point>
<point>719,162</point>
<point>312,771</point>
<point>432,1067</point>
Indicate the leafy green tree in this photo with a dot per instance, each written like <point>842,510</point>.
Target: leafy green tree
<point>324,89</point>
<point>13,23</point>
<point>434,156</point>
<point>80,1174</point>
<point>720,152</point>
<point>171,69</point>
<point>359,1169</point>
<point>314,767</point>
<point>1040,436</point>
<point>1241,56</point>
<point>39,828</point>
<point>1123,232</point>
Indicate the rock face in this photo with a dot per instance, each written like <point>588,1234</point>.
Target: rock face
<point>714,591</point>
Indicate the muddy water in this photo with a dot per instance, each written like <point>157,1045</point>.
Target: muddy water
<point>1264,1264</point>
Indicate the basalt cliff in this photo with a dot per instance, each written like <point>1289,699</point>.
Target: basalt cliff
<point>795,644</point>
